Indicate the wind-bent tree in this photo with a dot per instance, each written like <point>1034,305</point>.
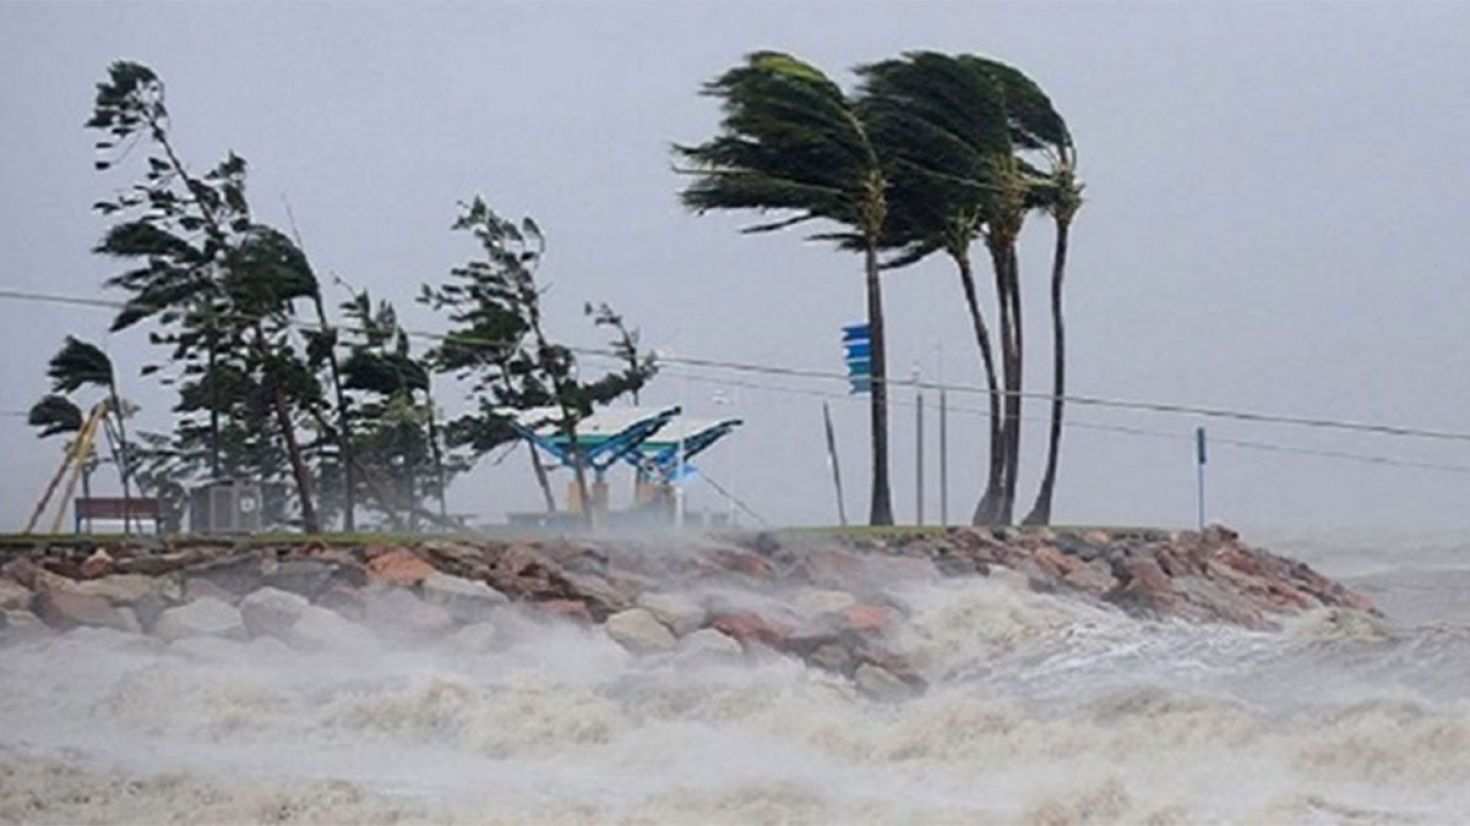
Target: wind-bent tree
<point>220,286</point>
<point>76,365</point>
<point>792,141</point>
<point>499,341</point>
<point>944,126</point>
<point>398,440</point>
<point>1061,197</point>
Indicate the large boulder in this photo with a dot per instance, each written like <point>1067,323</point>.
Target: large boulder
<point>271,611</point>
<point>817,601</point>
<point>204,617</point>
<point>124,589</point>
<point>881,684</point>
<point>237,575</point>
<point>307,577</point>
<point>14,596</point>
<point>399,612</point>
<point>100,563</point>
<point>681,614</point>
<point>318,629</point>
<point>465,600</point>
<point>399,566</point>
<point>66,609</point>
<point>637,630</point>
<point>709,644</point>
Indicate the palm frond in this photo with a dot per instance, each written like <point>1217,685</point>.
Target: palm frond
<point>78,364</point>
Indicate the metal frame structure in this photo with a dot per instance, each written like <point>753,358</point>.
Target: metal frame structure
<point>660,458</point>
<point>604,438</point>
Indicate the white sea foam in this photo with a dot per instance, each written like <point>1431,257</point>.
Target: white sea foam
<point>1041,710</point>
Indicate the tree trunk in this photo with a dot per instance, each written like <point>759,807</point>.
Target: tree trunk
<point>309,522</point>
<point>1000,513</point>
<point>1041,512</point>
<point>438,455</point>
<point>344,423</point>
<point>589,515</point>
<point>1013,394</point>
<point>541,478</point>
<point>124,458</point>
<point>985,510</point>
<point>881,512</point>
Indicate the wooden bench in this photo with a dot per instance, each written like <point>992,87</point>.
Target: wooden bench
<point>143,511</point>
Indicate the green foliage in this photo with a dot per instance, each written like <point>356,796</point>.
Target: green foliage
<point>498,343</point>
<point>791,141</point>
<point>55,414</point>
<point>218,289</point>
<point>79,364</point>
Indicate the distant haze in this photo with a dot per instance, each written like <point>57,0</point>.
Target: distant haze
<point>1276,220</point>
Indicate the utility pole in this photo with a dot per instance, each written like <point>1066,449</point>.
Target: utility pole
<point>943,458</point>
<point>1199,455</point>
<point>918,448</point>
<point>832,460</point>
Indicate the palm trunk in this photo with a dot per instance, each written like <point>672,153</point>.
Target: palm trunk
<point>1000,512</point>
<point>984,511</point>
<point>881,512</point>
<point>124,458</point>
<point>1041,512</point>
<point>1013,393</point>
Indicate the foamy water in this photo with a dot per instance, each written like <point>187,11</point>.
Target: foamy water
<point>1041,710</point>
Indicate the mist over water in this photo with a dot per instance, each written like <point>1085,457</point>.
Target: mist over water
<point>1041,709</point>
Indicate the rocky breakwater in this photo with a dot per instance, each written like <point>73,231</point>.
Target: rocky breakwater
<point>833,600</point>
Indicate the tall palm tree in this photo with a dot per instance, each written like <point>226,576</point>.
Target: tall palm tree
<point>944,124</point>
<point>792,141</point>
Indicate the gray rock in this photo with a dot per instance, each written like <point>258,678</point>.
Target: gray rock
<point>709,644</point>
<point>639,631</point>
<point>67,609</point>
<point>119,589</point>
<point>400,612</point>
<point>815,601</point>
<point>318,629</point>
<point>21,625</point>
<point>271,611</point>
<point>477,638</point>
<point>239,576</point>
<point>196,588</point>
<point>680,613</point>
<point>466,600</point>
<point>204,617</point>
<point>880,683</point>
<point>307,577</point>
<point>14,596</point>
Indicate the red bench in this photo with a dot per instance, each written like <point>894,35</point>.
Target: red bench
<point>142,511</point>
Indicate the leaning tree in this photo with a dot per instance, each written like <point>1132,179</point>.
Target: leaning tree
<point>219,286</point>
<point>500,343</point>
<point>792,141</point>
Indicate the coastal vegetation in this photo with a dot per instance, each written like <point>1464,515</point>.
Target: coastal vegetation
<point>337,418</point>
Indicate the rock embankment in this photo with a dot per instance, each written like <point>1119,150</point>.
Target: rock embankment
<point>824,598</point>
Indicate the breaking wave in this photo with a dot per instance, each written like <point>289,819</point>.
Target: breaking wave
<point>1041,709</point>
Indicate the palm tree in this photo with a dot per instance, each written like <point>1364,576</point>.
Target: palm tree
<point>76,365</point>
<point>792,141</point>
<point>944,125</point>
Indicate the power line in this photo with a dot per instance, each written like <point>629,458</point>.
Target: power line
<point>806,373</point>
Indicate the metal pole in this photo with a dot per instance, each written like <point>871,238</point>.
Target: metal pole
<point>919,457</point>
<point>943,459</point>
<point>1199,442</point>
<point>832,460</point>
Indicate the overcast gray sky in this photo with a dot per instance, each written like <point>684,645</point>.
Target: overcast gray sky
<point>1277,196</point>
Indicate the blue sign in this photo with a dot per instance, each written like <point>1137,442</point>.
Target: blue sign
<point>857,352</point>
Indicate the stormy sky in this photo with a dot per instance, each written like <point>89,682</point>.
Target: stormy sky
<point>1275,221</point>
